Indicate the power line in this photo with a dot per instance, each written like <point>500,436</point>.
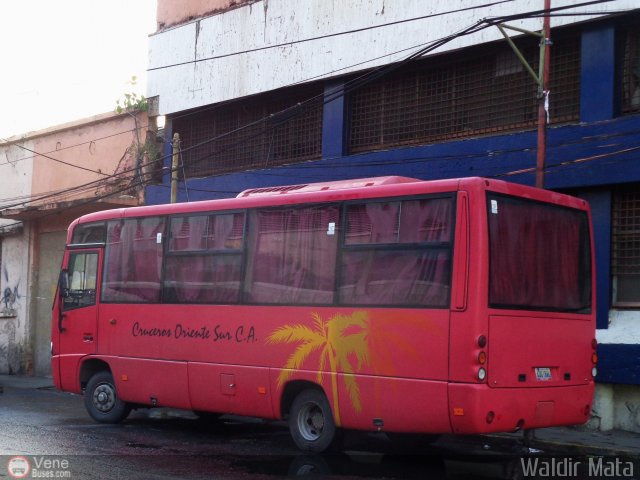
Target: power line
<point>106,137</point>
<point>36,154</point>
<point>381,71</point>
<point>536,14</point>
<point>349,86</point>
<point>397,22</point>
<point>322,37</point>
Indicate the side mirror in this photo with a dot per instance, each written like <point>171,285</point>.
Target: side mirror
<point>63,283</point>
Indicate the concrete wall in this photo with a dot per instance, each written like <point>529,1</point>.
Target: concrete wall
<point>50,247</point>
<point>15,350</point>
<point>85,152</point>
<point>275,43</point>
<point>16,172</point>
<point>90,145</point>
<point>616,407</point>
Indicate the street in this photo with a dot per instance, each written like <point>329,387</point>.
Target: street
<point>51,432</point>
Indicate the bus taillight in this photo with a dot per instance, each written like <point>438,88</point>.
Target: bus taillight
<point>594,358</point>
<point>482,358</point>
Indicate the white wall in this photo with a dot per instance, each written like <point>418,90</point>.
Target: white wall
<point>14,306</point>
<point>16,171</point>
<point>278,22</point>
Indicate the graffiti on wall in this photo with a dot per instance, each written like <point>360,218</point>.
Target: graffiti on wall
<point>10,349</point>
<point>10,296</point>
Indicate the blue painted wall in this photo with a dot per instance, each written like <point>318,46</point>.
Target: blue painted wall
<point>578,156</point>
<point>601,150</point>
<point>600,202</point>
<point>619,364</point>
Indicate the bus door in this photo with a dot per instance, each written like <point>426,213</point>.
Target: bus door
<point>77,312</point>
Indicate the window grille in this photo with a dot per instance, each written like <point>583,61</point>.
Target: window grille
<point>268,141</point>
<point>631,73</point>
<point>625,261</point>
<point>466,93</point>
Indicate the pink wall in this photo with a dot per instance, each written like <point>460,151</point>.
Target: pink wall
<point>172,12</point>
<point>98,144</point>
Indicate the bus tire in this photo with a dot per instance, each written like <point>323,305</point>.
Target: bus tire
<point>311,422</point>
<point>102,401</point>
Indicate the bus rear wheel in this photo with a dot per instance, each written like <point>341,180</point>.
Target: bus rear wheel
<point>102,401</point>
<point>311,422</point>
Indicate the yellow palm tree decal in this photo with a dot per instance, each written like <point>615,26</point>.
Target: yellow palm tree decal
<point>340,340</point>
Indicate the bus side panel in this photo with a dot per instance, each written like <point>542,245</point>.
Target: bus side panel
<point>395,404</point>
<point>230,389</point>
<point>519,346</point>
<point>470,407</point>
<point>69,372</point>
<point>55,371</point>
<point>147,382</point>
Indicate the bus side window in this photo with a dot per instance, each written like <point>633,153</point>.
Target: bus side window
<point>292,255</point>
<point>83,270</point>
<point>397,253</point>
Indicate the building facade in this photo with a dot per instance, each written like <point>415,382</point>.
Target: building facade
<point>47,179</point>
<point>265,93</point>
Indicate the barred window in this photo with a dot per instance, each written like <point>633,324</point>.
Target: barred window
<point>478,91</point>
<point>631,72</point>
<point>241,135</point>
<point>625,264</point>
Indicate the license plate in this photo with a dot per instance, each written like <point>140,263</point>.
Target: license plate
<point>543,374</point>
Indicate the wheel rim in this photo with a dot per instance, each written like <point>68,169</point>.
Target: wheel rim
<point>104,397</point>
<point>311,421</point>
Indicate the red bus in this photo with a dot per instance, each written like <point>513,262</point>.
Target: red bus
<point>386,304</point>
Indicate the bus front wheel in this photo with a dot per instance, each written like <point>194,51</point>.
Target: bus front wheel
<point>311,422</point>
<point>101,399</point>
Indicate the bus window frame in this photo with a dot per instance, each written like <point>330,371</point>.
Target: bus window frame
<point>420,246</point>
<point>300,205</point>
<point>491,194</point>
<point>105,257</point>
<point>342,206</point>
<point>167,253</point>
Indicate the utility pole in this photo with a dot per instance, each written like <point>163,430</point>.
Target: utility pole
<point>174,167</point>
<point>542,80</point>
<point>543,96</point>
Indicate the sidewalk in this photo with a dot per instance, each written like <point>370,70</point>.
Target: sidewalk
<point>577,440</point>
<point>22,382</point>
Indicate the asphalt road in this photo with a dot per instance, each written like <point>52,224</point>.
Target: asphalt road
<point>49,434</point>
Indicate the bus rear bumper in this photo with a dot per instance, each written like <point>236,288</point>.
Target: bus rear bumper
<point>480,409</point>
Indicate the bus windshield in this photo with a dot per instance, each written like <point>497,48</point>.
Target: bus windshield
<point>539,256</point>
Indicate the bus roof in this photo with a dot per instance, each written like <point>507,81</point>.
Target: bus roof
<point>324,186</point>
<point>341,190</point>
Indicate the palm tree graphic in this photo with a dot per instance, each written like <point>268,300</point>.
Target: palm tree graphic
<point>341,341</point>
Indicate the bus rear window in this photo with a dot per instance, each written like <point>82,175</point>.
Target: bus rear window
<point>539,256</point>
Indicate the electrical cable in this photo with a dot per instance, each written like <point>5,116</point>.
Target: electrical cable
<point>369,77</point>
<point>322,37</point>
<point>536,14</point>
